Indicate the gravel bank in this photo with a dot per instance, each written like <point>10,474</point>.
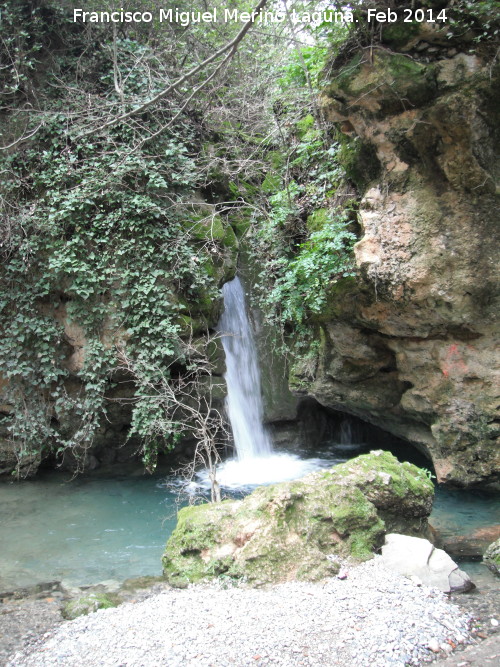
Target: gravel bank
<point>371,618</point>
<point>23,621</point>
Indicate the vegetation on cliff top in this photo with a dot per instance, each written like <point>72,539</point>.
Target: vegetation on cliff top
<point>116,234</point>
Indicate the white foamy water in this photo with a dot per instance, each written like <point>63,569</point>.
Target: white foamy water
<point>255,463</point>
<point>262,470</point>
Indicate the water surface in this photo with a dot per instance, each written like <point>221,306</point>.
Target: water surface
<point>83,531</point>
<point>115,526</point>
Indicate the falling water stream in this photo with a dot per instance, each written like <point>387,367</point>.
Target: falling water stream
<point>255,462</point>
<point>244,402</point>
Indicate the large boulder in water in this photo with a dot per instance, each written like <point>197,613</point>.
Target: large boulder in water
<point>291,530</point>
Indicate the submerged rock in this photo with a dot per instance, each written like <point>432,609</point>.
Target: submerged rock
<point>473,545</point>
<point>286,531</point>
<point>418,559</point>
<point>492,557</point>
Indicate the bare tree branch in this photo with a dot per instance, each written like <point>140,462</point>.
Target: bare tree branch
<point>230,46</point>
<point>22,138</point>
<point>186,401</point>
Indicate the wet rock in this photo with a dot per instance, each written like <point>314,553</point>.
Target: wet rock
<point>288,530</point>
<point>416,557</point>
<point>470,546</point>
<point>12,463</point>
<point>87,604</point>
<point>492,557</point>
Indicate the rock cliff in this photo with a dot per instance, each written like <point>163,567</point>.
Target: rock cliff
<point>410,346</point>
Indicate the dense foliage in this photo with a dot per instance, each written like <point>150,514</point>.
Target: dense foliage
<point>105,233</point>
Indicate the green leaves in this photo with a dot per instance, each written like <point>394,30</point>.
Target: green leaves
<point>97,240</point>
<point>305,245</point>
<point>482,17</point>
<point>303,284</point>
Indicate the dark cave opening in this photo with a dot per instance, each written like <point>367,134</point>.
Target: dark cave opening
<point>319,430</point>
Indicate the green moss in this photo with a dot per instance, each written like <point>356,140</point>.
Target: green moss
<point>304,126</point>
<point>392,80</point>
<point>317,220</point>
<point>359,161</point>
<point>272,182</point>
<point>339,297</point>
<point>276,159</point>
<point>401,492</point>
<point>399,34</point>
<point>302,367</point>
<point>362,544</point>
<point>212,228</point>
<point>192,325</point>
<point>87,604</point>
<point>196,530</point>
<point>492,557</point>
<point>352,511</point>
<point>344,77</point>
<point>240,221</point>
<point>401,66</point>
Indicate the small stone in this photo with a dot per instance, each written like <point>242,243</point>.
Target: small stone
<point>385,477</point>
<point>433,645</point>
<point>494,622</point>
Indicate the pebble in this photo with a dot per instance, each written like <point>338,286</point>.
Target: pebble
<point>372,618</point>
<point>434,645</point>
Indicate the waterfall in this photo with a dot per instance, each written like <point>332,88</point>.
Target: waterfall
<point>255,461</point>
<point>244,401</point>
<point>346,432</point>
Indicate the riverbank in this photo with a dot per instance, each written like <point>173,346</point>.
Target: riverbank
<point>371,617</point>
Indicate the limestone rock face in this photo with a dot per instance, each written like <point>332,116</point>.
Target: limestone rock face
<point>417,558</point>
<point>410,345</point>
<point>286,531</point>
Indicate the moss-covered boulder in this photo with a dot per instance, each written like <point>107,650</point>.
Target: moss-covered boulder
<point>492,557</point>
<point>289,530</point>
